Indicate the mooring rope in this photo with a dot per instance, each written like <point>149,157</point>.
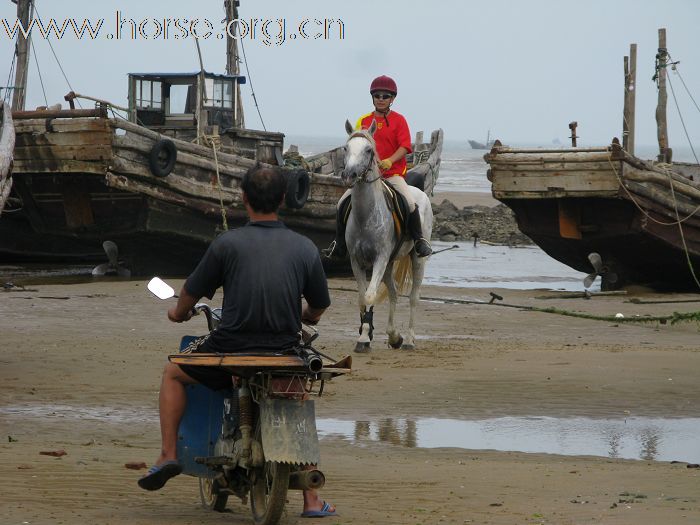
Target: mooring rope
<point>213,140</point>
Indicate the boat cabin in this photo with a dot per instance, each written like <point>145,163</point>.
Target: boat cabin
<point>174,103</point>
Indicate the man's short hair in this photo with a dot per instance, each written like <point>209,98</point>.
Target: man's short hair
<point>264,187</point>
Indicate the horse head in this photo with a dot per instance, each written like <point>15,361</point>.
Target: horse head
<point>360,154</point>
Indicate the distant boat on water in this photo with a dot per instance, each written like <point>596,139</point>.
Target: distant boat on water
<point>487,145</point>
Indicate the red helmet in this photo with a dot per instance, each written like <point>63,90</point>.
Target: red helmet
<point>383,83</point>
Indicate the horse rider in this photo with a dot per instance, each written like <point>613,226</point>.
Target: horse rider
<point>265,270</point>
<point>393,140</point>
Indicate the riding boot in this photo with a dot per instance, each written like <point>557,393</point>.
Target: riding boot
<point>421,244</point>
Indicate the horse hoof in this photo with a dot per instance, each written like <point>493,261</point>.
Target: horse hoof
<point>362,348</point>
<point>408,347</point>
<point>396,344</point>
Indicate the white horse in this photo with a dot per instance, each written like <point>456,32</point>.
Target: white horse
<point>371,237</point>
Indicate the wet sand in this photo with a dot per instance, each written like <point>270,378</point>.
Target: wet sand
<point>103,346</point>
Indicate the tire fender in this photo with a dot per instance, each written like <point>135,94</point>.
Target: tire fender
<point>298,185</point>
<point>416,180</point>
<point>162,158</point>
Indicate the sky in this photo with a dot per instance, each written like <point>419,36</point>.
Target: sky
<point>521,69</point>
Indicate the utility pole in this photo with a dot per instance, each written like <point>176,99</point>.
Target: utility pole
<point>661,126</point>
<point>24,7</point>
<point>629,107</point>
<point>232,62</point>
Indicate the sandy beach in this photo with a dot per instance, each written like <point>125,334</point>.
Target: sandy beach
<point>81,367</point>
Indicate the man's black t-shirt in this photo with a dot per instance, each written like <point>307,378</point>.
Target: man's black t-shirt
<point>264,269</point>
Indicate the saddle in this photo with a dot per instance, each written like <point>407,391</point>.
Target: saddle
<point>399,212</point>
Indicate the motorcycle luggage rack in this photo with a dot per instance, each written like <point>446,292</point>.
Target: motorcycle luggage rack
<point>249,364</point>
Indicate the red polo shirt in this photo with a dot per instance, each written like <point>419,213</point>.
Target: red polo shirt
<point>392,133</point>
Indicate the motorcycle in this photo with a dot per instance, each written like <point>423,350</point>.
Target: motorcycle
<point>258,439</point>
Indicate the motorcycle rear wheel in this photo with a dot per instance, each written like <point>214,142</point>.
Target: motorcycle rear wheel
<point>211,498</point>
<point>268,493</point>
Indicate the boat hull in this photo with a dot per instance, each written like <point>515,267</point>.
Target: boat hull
<point>85,180</point>
<point>574,202</point>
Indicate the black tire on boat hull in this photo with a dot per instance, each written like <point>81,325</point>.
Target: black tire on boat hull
<point>162,158</point>
<point>297,189</point>
<point>416,179</point>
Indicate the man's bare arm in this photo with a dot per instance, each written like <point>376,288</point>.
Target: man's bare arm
<point>182,311</point>
<point>311,315</point>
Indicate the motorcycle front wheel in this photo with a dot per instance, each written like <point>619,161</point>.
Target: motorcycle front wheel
<point>268,493</point>
<point>210,495</point>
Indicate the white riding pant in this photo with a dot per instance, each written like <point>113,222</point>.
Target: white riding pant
<point>399,184</point>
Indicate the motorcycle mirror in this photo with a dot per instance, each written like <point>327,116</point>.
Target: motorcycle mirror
<point>160,288</point>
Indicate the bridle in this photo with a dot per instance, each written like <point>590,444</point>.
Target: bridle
<point>363,176</point>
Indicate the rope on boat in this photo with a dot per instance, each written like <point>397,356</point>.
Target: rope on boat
<point>213,141</point>
<point>54,53</point>
<point>679,222</point>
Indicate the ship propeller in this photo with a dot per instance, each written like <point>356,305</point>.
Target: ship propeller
<point>113,267</point>
<point>598,269</point>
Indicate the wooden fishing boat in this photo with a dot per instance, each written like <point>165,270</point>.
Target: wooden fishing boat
<point>7,146</point>
<point>162,183</point>
<point>640,217</point>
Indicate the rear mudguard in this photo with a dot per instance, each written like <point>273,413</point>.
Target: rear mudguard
<point>289,431</point>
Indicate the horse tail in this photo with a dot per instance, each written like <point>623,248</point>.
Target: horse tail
<point>403,277</point>
<point>403,274</point>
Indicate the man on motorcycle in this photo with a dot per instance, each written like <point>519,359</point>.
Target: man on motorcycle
<point>264,270</point>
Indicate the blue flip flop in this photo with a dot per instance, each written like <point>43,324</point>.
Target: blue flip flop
<point>325,511</point>
<point>158,475</point>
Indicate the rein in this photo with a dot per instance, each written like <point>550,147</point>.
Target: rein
<point>363,176</point>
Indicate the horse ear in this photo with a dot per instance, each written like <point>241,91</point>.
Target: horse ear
<point>349,128</point>
<point>373,127</point>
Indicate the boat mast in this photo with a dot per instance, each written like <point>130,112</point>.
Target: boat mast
<point>232,63</point>
<point>660,77</point>
<point>629,104</point>
<point>24,7</point>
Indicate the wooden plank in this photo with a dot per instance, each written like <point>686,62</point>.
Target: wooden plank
<point>577,182</point>
<point>256,361</point>
<point>60,125</point>
<point>538,166</point>
<point>56,167</point>
<point>86,152</point>
<point>65,138</point>
<point>680,184</point>
<point>238,360</point>
<point>59,114</point>
<point>550,194</point>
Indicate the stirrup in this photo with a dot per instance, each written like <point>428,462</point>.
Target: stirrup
<point>328,252</point>
<point>422,247</point>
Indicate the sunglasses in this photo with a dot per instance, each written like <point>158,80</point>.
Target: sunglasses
<point>382,96</point>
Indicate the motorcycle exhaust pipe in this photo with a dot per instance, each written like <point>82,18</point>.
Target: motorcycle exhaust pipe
<point>313,361</point>
<point>307,480</point>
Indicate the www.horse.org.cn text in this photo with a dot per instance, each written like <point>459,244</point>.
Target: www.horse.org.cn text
<point>269,31</point>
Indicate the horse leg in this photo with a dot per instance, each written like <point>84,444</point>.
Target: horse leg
<point>418,271</point>
<point>364,341</point>
<point>378,270</point>
<point>395,339</point>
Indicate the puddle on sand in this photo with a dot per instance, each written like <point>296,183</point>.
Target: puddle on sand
<point>631,438</point>
<point>486,266</point>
